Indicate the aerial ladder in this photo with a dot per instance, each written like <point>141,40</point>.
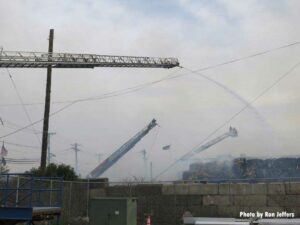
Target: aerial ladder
<point>50,59</point>
<point>231,133</point>
<point>18,59</point>
<point>119,153</point>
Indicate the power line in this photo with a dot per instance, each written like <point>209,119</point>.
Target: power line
<point>104,96</point>
<point>16,126</point>
<point>116,92</point>
<point>23,163</point>
<point>22,103</point>
<point>247,57</point>
<point>21,145</point>
<point>35,103</point>
<point>141,86</point>
<point>21,160</point>
<point>236,114</point>
<point>168,77</point>
<point>29,125</point>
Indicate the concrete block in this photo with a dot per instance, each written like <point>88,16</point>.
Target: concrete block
<point>250,200</point>
<point>168,189</point>
<point>167,200</point>
<point>283,200</point>
<point>275,200</point>
<point>204,211</point>
<point>219,200</point>
<point>296,210</point>
<point>203,189</point>
<point>259,189</point>
<point>148,189</point>
<point>100,192</point>
<point>228,211</point>
<point>224,189</point>
<point>164,215</point>
<point>240,189</point>
<point>118,191</point>
<point>181,189</point>
<point>292,188</point>
<point>188,200</point>
<point>195,200</point>
<point>275,189</point>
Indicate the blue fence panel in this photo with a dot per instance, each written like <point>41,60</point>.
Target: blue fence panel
<point>31,192</point>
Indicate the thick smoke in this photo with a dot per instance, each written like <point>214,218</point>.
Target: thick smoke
<point>244,168</point>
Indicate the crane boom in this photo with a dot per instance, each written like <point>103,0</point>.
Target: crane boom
<point>119,153</point>
<point>231,133</point>
<point>17,59</point>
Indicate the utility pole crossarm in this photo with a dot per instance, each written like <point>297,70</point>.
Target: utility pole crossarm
<point>14,59</point>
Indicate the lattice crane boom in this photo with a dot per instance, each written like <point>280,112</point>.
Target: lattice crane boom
<point>16,59</point>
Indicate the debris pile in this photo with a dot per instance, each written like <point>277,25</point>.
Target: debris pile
<point>243,168</point>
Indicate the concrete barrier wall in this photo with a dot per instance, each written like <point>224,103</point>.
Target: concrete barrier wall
<point>168,202</point>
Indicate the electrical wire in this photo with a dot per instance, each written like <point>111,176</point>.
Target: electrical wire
<point>22,103</point>
<point>21,145</point>
<point>235,115</point>
<point>104,96</point>
<point>168,77</point>
<point>21,160</point>
<point>18,125</point>
<point>22,163</point>
<point>14,127</point>
<point>247,57</point>
<point>113,93</point>
<point>141,86</point>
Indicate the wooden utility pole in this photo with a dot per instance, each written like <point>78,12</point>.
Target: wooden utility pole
<point>47,105</point>
<point>48,149</point>
<point>76,150</point>
<point>49,60</point>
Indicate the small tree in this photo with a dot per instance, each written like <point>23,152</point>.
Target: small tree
<point>53,170</point>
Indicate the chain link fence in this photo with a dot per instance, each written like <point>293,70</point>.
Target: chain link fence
<point>166,202</point>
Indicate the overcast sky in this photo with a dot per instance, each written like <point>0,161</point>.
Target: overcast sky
<point>199,33</point>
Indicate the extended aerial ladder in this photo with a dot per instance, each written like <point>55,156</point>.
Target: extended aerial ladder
<point>231,133</point>
<point>17,59</point>
<point>119,153</point>
<point>49,60</point>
